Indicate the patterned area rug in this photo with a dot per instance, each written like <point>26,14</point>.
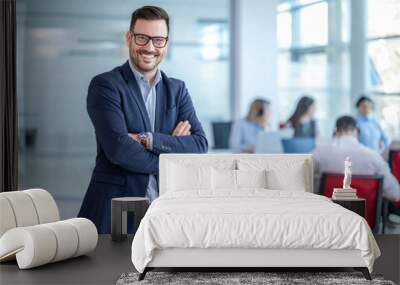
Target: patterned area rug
<point>229,278</point>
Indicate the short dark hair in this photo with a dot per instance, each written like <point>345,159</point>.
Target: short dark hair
<point>345,124</point>
<point>362,99</point>
<point>149,13</point>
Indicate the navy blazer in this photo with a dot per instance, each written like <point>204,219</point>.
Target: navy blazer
<point>116,108</point>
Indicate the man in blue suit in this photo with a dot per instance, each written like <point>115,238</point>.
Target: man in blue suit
<point>138,113</point>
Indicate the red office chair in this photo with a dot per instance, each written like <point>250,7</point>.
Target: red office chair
<point>394,163</point>
<point>368,187</point>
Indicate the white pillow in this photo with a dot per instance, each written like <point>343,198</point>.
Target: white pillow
<point>251,178</point>
<point>288,174</point>
<point>231,180</point>
<point>184,177</point>
<point>292,179</point>
<point>223,179</point>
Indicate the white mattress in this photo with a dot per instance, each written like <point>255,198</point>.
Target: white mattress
<point>250,219</point>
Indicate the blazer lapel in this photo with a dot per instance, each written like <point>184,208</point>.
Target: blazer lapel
<point>164,101</point>
<point>160,105</point>
<point>136,94</point>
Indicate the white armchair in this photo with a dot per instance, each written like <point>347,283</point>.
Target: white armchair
<point>31,230</point>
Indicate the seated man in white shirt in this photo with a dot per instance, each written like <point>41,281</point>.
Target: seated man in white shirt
<point>330,158</point>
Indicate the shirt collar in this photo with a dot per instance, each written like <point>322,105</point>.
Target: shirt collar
<point>140,77</point>
<point>362,118</point>
<point>346,139</point>
<point>255,124</point>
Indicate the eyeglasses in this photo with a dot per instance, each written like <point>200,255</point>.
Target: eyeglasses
<point>142,40</point>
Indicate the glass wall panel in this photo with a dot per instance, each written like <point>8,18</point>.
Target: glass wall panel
<point>383,18</point>
<point>314,24</point>
<point>284,26</point>
<point>387,109</point>
<point>310,65</point>
<point>383,46</point>
<point>384,65</point>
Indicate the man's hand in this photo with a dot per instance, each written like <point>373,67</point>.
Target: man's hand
<point>135,137</point>
<point>182,129</point>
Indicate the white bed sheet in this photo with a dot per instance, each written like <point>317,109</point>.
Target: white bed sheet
<point>251,218</point>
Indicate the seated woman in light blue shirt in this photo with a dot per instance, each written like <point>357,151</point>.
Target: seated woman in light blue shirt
<point>244,132</point>
<point>371,133</point>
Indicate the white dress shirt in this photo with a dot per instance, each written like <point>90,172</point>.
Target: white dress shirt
<point>331,157</point>
<point>150,98</point>
<point>244,134</point>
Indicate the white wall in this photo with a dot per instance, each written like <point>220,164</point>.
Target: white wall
<point>255,50</point>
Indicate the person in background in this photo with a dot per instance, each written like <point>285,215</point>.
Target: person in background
<point>331,157</point>
<point>371,134</point>
<point>302,121</point>
<point>244,132</point>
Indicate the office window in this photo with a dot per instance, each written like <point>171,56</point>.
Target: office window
<point>306,75</point>
<point>214,40</point>
<point>384,45</point>
<point>314,24</point>
<point>284,26</point>
<point>384,62</point>
<point>384,65</point>
<point>387,109</point>
<point>311,61</point>
<point>383,18</point>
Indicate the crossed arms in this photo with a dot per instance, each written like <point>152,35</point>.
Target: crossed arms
<point>122,148</point>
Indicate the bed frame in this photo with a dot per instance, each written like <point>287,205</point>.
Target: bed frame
<point>244,259</point>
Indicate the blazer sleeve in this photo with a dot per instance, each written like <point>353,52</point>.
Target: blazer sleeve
<point>104,108</point>
<point>196,142</point>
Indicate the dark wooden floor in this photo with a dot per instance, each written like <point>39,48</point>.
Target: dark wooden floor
<point>110,260</point>
<point>389,262</point>
<point>103,266</point>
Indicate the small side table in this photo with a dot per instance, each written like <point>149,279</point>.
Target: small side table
<point>119,209</point>
<point>355,205</point>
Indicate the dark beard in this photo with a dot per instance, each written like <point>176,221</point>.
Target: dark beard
<point>136,62</point>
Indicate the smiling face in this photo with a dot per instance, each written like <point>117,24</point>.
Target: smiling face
<point>147,58</point>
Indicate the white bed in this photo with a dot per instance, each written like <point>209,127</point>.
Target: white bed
<point>247,211</point>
